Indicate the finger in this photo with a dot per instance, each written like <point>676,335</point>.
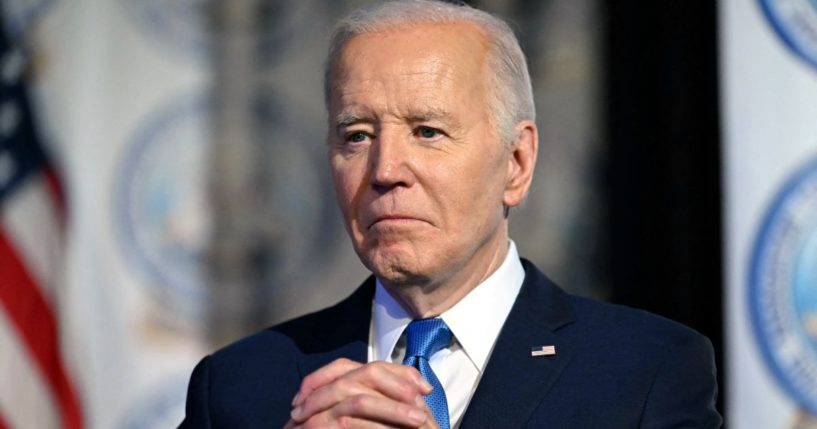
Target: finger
<point>369,411</point>
<point>320,422</point>
<point>326,397</point>
<point>340,367</point>
<point>430,423</point>
<point>324,376</point>
<point>399,382</point>
<point>396,382</point>
<point>413,373</point>
<point>382,410</point>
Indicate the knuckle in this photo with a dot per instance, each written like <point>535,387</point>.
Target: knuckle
<point>344,422</point>
<point>407,372</point>
<point>308,380</point>
<point>344,363</point>
<point>308,402</point>
<point>410,374</point>
<point>357,404</point>
<point>342,385</point>
<point>406,390</point>
<point>370,370</point>
<point>377,370</point>
<point>398,409</point>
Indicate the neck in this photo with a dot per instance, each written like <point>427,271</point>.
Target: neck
<point>432,299</point>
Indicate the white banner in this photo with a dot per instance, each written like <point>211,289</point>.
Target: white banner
<point>122,92</point>
<point>769,111</point>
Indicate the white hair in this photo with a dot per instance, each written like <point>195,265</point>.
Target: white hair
<point>511,96</point>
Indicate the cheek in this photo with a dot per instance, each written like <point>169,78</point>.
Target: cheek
<point>347,181</point>
<point>480,178</point>
<point>459,197</point>
<point>480,191</point>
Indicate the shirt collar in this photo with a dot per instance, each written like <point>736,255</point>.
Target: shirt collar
<point>475,320</point>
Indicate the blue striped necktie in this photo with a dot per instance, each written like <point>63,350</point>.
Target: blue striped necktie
<point>424,338</point>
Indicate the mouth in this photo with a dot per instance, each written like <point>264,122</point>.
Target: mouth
<point>393,220</point>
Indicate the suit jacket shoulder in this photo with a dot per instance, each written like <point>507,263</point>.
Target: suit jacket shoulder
<point>619,326</point>
<point>613,367</point>
<point>676,362</point>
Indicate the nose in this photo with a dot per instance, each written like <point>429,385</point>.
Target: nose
<point>389,162</point>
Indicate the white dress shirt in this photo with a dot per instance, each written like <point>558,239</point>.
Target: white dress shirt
<point>475,322</point>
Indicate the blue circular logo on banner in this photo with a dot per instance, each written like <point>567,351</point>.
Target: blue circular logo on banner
<point>796,23</point>
<point>783,287</point>
<point>163,205</point>
<point>165,215</point>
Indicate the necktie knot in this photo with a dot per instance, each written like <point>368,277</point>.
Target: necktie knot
<point>425,337</point>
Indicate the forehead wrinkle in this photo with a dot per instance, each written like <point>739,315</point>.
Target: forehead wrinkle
<point>383,87</point>
<point>348,88</point>
<point>430,70</point>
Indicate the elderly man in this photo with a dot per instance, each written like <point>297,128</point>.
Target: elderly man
<point>431,141</point>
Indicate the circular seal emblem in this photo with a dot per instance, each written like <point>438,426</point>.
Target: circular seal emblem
<point>783,287</point>
<point>163,202</point>
<point>796,23</point>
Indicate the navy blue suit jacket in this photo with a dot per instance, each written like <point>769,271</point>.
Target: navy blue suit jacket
<point>614,367</point>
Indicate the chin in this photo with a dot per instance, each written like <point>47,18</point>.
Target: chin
<point>395,268</point>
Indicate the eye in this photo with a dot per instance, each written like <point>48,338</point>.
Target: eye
<point>356,137</point>
<point>428,133</point>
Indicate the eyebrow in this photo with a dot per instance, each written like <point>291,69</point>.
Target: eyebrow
<point>345,119</point>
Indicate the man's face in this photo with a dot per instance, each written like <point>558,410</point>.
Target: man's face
<point>418,170</point>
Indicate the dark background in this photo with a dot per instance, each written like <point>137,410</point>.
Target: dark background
<point>661,165</point>
<point>661,86</point>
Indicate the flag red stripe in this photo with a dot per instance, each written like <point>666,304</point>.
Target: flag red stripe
<point>32,318</point>
<point>3,424</point>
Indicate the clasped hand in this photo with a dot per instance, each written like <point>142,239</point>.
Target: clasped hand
<point>348,394</point>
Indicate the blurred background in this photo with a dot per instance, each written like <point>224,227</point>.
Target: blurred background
<point>164,188</point>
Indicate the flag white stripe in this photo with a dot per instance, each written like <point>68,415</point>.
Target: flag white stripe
<point>25,399</point>
<point>29,220</point>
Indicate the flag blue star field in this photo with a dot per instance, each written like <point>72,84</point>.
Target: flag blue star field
<point>36,389</point>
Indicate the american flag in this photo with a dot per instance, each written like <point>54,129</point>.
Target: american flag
<point>543,351</point>
<point>36,390</point>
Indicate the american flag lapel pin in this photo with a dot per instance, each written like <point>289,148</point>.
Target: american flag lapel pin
<point>543,351</point>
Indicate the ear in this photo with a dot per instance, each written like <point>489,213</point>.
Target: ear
<point>521,163</point>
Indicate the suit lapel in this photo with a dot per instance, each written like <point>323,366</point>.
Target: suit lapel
<point>514,382</point>
<point>355,351</point>
<point>341,332</point>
